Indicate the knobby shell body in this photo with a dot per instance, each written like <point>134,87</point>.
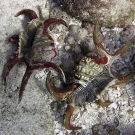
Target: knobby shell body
<point>92,83</point>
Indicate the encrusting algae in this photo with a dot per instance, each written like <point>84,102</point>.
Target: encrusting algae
<point>108,13</point>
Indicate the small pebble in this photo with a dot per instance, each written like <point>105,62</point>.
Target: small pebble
<point>56,131</point>
<point>113,105</point>
<point>67,47</point>
<point>60,133</point>
<point>133,108</point>
<point>58,125</point>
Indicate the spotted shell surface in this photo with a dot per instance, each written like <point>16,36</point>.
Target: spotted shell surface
<point>87,69</point>
<point>106,12</point>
